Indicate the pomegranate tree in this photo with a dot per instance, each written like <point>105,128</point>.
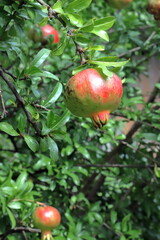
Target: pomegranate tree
<point>46,218</point>
<point>119,3</point>
<point>91,94</point>
<point>153,7</point>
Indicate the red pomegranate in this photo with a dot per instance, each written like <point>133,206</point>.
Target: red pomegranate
<point>153,7</point>
<point>91,94</point>
<point>119,4</point>
<point>46,218</point>
<point>48,30</point>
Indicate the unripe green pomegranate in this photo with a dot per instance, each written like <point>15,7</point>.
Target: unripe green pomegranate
<point>91,94</point>
<point>153,7</point>
<point>46,218</point>
<point>119,4</point>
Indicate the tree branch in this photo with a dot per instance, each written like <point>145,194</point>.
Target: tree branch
<point>19,100</point>
<point>3,106</point>
<point>116,165</point>
<point>52,13</point>
<point>18,229</point>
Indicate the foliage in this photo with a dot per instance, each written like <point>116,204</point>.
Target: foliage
<point>105,183</point>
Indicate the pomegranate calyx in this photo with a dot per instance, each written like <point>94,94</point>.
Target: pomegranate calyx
<point>46,235</point>
<point>100,119</point>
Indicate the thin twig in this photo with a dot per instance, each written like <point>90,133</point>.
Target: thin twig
<point>52,13</point>
<point>81,52</point>
<point>19,229</point>
<point>4,112</point>
<point>116,165</point>
<point>111,229</point>
<point>20,101</point>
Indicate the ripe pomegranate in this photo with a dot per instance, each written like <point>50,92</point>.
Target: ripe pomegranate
<point>91,94</point>
<point>153,7</point>
<point>38,34</point>
<point>48,30</point>
<point>119,4</point>
<point>46,218</point>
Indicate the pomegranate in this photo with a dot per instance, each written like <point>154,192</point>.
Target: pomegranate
<point>91,94</point>
<point>46,218</point>
<point>38,34</point>
<point>153,7</point>
<point>48,30</point>
<point>119,4</point>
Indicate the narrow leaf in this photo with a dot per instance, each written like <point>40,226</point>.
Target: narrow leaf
<point>46,74</point>
<point>31,142</point>
<point>109,64</point>
<point>77,5</point>
<point>58,7</point>
<point>54,95</point>
<point>40,57</point>
<point>62,121</point>
<point>12,218</point>
<point>101,33</point>
<point>53,148</point>
<point>32,111</point>
<point>157,171</point>
<point>7,128</point>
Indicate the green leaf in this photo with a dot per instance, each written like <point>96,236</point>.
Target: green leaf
<point>34,113</point>
<point>77,5</point>
<point>33,71</point>
<point>113,216</point>
<point>7,128</point>
<point>50,119</point>
<point>78,69</point>
<point>121,137</point>
<point>75,19</point>
<point>43,145</point>
<point>12,218</point>
<point>157,85</point>
<point>21,179</point>
<point>88,27</point>
<point>58,7</point>
<point>104,70</point>
<point>40,57</point>
<point>157,171</point>
<point>123,238</point>
<point>103,23</point>
<point>102,34</point>
<point>43,22</point>
<point>47,75</point>
<point>53,148</point>
<point>60,48</point>
<point>109,64</point>
<point>149,136</point>
<point>62,121</point>
<point>22,122</point>
<point>54,95</point>
<point>96,48</point>
<point>15,205</point>
<point>31,142</point>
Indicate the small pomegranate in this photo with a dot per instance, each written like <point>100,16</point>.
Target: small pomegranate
<point>46,218</point>
<point>91,94</point>
<point>153,7</point>
<point>38,34</point>
<point>119,4</point>
<point>48,30</point>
